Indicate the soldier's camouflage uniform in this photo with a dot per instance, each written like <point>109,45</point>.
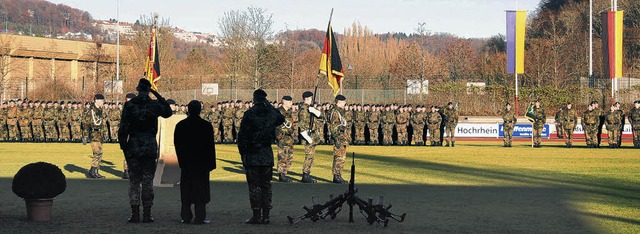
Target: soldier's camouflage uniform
<point>36,124</point>
<point>509,120</point>
<point>214,118</point>
<point>402,120</point>
<point>51,133</point>
<point>24,121</point>
<point>590,123</point>
<point>95,121</point>
<point>373,122</point>
<point>12,123</point>
<point>434,120</point>
<point>237,117</point>
<point>560,123</point>
<point>360,121</point>
<point>417,121</point>
<point>338,128</point>
<point>296,129</point>
<point>389,120</point>
<point>569,119</point>
<point>304,124</point>
<point>76,125</point>
<point>318,128</point>
<point>450,123</point>
<point>284,135</point>
<point>227,124</point>
<point>114,123</point>
<point>3,124</point>
<point>348,116</point>
<point>538,125</point>
<point>634,120</point>
<point>64,119</point>
<point>613,120</point>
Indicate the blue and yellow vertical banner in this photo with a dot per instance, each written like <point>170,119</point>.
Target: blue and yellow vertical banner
<point>612,28</point>
<point>516,32</point>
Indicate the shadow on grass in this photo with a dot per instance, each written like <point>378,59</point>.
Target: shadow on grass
<point>429,209</point>
<point>108,169</point>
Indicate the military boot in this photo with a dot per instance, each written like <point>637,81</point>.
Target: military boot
<point>255,219</point>
<point>284,179</point>
<point>337,179</point>
<point>265,216</point>
<point>446,144</point>
<point>453,144</point>
<point>306,178</point>
<point>92,173</point>
<point>135,215</point>
<point>97,174</point>
<point>146,216</point>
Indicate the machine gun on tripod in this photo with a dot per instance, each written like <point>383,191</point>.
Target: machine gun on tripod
<point>374,213</point>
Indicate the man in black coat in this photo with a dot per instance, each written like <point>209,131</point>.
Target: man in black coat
<point>137,138</point>
<point>257,132</point>
<point>196,151</point>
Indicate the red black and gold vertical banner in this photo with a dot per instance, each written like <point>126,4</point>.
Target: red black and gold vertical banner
<point>330,63</point>
<point>612,26</point>
<point>152,65</point>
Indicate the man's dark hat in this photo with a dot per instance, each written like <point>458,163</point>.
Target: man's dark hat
<point>171,102</point>
<point>287,98</point>
<point>99,97</point>
<point>130,95</point>
<point>259,94</point>
<point>144,85</point>
<point>340,97</point>
<point>307,94</point>
<point>194,107</point>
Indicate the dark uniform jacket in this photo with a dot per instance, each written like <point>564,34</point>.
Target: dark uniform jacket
<point>257,132</point>
<point>139,125</point>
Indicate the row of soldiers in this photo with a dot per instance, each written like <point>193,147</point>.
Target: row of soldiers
<point>52,121</point>
<point>390,124</point>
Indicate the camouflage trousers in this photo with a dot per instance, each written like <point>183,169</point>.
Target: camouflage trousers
<point>418,133</point>
<point>50,130</point>
<point>113,130</point>
<point>434,134</point>
<point>537,134</point>
<point>25,130</point>
<point>259,181</point>
<point>561,130</point>
<point>568,134</point>
<point>591,133</point>
<point>636,138</point>
<point>141,173</point>
<point>319,130</point>
<point>309,153</point>
<point>373,134</point>
<point>508,134</point>
<point>216,133</point>
<point>38,131</point>
<point>359,132</point>
<point>285,157</point>
<point>65,132</point>
<point>3,132</point>
<point>449,133</point>
<point>349,132</point>
<point>76,131</point>
<point>403,137</point>
<point>614,135</point>
<point>14,133</point>
<point>96,148</point>
<point>228,134</point>
<point>387,134</point>
<point>339,157</point>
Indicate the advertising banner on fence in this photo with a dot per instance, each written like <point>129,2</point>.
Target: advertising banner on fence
<point>524,130</point>
<point>578,132</point>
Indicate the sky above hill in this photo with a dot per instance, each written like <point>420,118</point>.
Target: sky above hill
<point>465,18</point>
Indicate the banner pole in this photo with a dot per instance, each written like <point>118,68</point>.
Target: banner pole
<point>517,107</point>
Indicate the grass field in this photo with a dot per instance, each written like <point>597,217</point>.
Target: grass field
<point>474,187</point>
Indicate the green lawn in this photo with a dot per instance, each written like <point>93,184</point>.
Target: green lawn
<point>474,187</point>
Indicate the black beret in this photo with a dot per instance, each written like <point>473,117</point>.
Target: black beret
<point>99,96</point>
<point>12,101</point>
<point>616,103</point>
<point>287,98</point>
<point>61,102</point>
<point>340,97</point>
<point>450,103</point>
<point>593,102</point>
<point>637,102</point>
<point>55,102</point>
<point>536,100</point>
<point>49,102</point>
<point>171,102</point>
<point>130,95</point>
<point>259,93</point>
<point>307,94</point>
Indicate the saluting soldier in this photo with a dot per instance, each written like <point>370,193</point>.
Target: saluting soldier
<point>569,119</point>
<point>417,121</point>
<point>450,123</point>
<point>509,120</point>
<point>284,136</point>
<point>634,119</point>
<point>613,119</point>
<point>434,121</point>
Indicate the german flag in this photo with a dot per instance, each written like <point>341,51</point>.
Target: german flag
<point>612,43</point>
<point>152,65</point>
<point>330,64</point>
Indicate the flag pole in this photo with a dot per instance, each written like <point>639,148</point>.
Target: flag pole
<point>516,72</point>
<point>315,89</point>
